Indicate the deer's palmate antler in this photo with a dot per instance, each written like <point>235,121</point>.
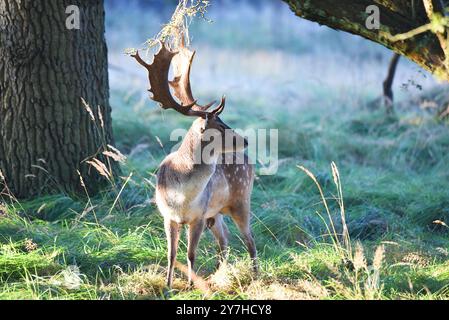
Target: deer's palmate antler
<point>194,192</point>
<point>159,84</point>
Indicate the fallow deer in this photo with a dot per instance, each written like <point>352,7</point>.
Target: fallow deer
<point>198,193</point>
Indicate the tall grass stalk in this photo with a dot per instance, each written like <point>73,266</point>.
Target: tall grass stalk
<point>343,249</point>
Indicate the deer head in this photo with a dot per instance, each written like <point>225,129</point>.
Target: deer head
<point>208,124</point>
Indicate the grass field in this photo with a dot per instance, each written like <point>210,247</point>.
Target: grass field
<point>315,86</point>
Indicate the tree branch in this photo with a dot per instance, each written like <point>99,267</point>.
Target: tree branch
<point>431,9</point>
<point>406,19</point>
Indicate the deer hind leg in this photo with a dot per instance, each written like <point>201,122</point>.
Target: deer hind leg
<point>221,233</point>
<point>195,230</point>
<point>241,215</point>
<point>172,233</point>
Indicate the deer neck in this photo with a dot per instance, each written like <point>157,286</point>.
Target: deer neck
<point>195,174</point>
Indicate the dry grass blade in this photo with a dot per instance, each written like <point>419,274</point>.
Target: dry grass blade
<point>378,257</point>
<point>441,223</point>
<point>359,260</point>
<point>120,193</point>
<point>81,179</point>
<point>335,173</point>
<point>86,211</point>
<point>115,154</point>
<point>88,109</point>
<point>100,116</point>
<point>177,30</point>
<point>172,32</point>
<point>334,235</point>
<point>159,141</point>
<point>337,181</point>
<point>101,168</point>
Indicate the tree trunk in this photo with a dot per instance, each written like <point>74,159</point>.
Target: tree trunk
<point>388,96</point>
<point>396,17</point>
<point>45,69</point>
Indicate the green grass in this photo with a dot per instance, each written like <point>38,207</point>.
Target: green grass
<point>395,184</point>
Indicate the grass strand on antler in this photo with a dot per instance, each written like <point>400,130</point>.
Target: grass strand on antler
<point>177,28</point>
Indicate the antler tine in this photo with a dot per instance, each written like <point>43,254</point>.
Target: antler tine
<point>140,60</point>
<point>197,107</point>
<point>221,107</point>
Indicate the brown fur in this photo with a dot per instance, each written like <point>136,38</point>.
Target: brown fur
<point>188,192</point>
<point>193,194</point>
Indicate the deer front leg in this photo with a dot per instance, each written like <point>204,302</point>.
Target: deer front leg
<point>172,233</point>
<point>195,230</point>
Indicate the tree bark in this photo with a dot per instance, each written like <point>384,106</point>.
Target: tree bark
<point>396,17</point>
<point>45,69</point>
<point>388,96</point>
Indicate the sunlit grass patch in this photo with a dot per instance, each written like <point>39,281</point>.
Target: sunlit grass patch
<point>20,258</point>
